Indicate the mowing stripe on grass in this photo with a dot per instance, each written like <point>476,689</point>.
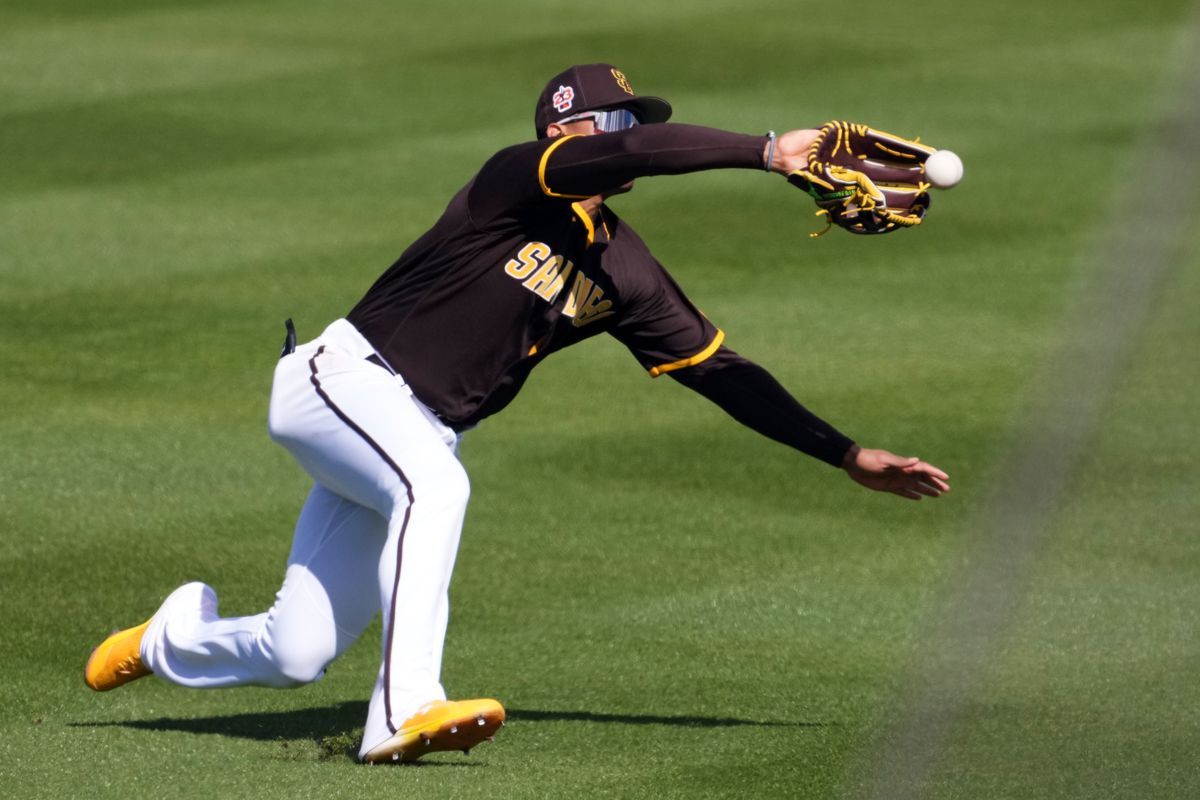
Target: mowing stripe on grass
<point>1141,239</point>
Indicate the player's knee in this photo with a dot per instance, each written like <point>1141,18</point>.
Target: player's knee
<point>298,663</point>
<point>458,485</point>
<point>445,485</point>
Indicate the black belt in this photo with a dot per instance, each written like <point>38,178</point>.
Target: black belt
<point>379,362</point>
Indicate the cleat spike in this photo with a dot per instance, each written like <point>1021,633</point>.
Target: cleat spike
<point>466,751</point>
<point>454,729</point>
<point>395,756</point>
<point>490,738</point>
<point>425,740</point>
<point>481,721</point>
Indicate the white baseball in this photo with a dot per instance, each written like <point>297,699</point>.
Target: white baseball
<point>943,169</point>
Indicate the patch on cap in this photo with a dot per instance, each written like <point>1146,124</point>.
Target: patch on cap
<point>565,96</point>
<point>590,87</point>
<point>622,81</point>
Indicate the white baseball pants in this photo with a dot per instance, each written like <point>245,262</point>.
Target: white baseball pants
<point>380,530</point>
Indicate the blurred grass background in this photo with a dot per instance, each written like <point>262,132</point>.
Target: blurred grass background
<point>669,605</point>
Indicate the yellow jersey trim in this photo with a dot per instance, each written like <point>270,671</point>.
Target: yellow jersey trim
<point>586,219</point>
<point>694,360</point>
<point>542,170</point>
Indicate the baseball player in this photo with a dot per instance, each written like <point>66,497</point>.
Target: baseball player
<point>526,260</point>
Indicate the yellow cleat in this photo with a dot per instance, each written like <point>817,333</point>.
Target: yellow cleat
<point>117,660</point>
<point>440,725</point>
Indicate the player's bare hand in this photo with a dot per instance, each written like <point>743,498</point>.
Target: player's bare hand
<point>791,150</point>
<point>887,472</point>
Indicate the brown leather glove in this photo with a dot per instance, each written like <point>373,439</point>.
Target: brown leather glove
<point>865,180</point>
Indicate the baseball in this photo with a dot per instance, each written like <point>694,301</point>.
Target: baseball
<point>943,169</point>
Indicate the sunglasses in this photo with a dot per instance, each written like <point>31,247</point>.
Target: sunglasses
<point>607,120</point>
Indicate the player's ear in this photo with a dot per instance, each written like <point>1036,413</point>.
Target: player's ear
<point>553,130</point>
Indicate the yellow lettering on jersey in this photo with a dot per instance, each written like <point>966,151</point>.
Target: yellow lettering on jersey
<point>579,292</point>
<point>529,258</point>
<point>548,281</point>
<point>545,274</point>
<point>593,308</point>
<point>586,302</point>
<point>560,281</point>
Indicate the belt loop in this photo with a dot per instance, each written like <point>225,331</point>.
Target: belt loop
<point>289,342</point>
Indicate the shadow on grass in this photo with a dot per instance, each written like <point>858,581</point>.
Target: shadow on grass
<point>315,725</point>
<point>285,727</point>
<point>532,715</point>
<point>307,723</point>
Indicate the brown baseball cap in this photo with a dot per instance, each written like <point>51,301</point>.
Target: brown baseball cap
<point>586,87</point>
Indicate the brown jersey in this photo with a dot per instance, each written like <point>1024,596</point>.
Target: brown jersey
<point>515,270</point>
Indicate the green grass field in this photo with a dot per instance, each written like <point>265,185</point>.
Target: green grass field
<point>668,605</point>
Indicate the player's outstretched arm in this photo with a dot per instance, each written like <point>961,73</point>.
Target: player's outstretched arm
<point>749,394</point>
<point>887,472</point>
<point>753,397</point>
<point>584,166</point>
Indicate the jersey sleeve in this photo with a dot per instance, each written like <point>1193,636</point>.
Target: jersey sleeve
<point>661,327</point>
<point>753,397</point>
<point>575,167</point>
<point>507,182</point>
<point>569,168</point>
